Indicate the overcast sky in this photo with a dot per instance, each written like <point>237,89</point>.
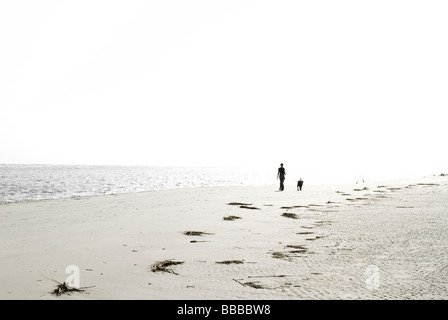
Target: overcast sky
<point>322,86</point>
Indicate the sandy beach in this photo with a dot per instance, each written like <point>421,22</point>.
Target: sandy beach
<point>381,240</point>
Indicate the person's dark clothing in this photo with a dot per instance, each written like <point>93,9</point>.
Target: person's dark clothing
<point>299,185</point>
<point>282,186</point>
<point>281,175</point>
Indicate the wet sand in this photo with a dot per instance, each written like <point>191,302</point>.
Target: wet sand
<point>381,240</point>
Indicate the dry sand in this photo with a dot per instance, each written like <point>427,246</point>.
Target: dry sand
<point>362,241</point>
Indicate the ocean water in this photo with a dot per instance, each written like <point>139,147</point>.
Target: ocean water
<point>38,182</point>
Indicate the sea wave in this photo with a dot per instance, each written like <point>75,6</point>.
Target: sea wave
<point>21,183</point>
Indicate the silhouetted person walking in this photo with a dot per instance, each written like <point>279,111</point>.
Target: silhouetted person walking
<point>281,175</point>
<point>299,184</point>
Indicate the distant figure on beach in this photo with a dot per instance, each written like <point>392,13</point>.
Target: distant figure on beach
<point>281,174</point>
<point>299,184</point>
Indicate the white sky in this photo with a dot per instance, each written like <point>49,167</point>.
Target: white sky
<point>329,87</point>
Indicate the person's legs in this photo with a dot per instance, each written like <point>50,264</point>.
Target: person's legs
<point>281,184</point>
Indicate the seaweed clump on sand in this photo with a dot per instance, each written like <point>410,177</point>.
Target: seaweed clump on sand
<point>231,218</point>
<point>298,249</point>
<point>279,255</point>
<point>250,207</point>
<point>230,262</point>
<point>195,233</point>
<point>243,205</point>
<point>63,288</point>
<point>239,204</point>
<point>290,215</point>
<point>163,266</point>
<point>251,284</point>
<point>254,285</point>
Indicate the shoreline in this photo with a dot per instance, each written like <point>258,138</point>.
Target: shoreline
<point>291,185</point>
<point>312,244</point>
